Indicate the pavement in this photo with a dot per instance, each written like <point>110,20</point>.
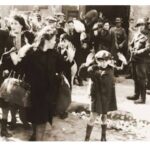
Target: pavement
<point>124,88</point>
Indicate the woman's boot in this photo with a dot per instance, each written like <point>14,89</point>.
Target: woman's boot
<point>33,136</point>
<point>4,131</point>
<point>12,123</point>
<point>103,132</point>
<point>88,132</point>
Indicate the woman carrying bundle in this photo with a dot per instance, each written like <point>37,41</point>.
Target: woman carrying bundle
<point>42,64</point>
<point>18,37</point>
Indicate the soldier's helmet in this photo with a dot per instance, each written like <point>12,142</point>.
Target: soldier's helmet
<point>103,55</point>
<point>139,22</point>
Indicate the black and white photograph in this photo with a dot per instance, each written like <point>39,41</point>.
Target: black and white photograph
<point>74,73</point>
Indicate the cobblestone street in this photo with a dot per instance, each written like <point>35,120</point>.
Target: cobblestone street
<point>73,127</point>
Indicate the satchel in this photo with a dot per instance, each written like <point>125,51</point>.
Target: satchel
<point>15,91</point>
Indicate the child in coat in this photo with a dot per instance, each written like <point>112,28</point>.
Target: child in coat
<point>102,91</point>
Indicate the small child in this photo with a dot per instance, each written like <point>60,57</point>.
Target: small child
<point>102,91</point>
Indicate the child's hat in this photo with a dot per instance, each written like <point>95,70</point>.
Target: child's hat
<point>103,54</point>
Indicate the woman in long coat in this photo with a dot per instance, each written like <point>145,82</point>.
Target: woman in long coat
<point>42,65</point>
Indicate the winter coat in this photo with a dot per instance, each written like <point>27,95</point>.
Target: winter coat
<point>42,69</point>
<point>4,34</point>
<point>103,97</point>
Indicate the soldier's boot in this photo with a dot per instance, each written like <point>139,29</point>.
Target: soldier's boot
<point>89,129</point>
<point>134,97</point>
<point>143,94</point>
<point>103,132</point>
<point>137,93</point>
<point>4,131</point>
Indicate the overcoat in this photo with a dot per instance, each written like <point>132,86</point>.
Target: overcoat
<point>103,97</point>
<point>7,41</point>
<point>42,69</point>
<point>104,40</point>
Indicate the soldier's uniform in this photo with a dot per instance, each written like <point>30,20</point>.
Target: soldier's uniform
<point>148,69</point>
<point>140,59</point>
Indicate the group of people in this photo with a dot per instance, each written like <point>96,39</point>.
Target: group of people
<point>31,66</point>
<point>36,51</point>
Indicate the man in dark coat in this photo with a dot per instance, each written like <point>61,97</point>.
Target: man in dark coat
<point>148,73</point>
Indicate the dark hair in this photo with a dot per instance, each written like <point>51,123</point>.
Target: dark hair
<point>40,38</point>
<point>21,21</point>
<point>70,20</point>
<point>106,21</point>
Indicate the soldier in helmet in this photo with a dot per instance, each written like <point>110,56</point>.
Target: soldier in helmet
<point>140,49</point>
<point>102,91</point>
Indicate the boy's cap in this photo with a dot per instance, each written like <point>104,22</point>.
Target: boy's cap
<point>103,54</point>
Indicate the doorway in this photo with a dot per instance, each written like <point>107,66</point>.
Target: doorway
<point>111,12</point>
